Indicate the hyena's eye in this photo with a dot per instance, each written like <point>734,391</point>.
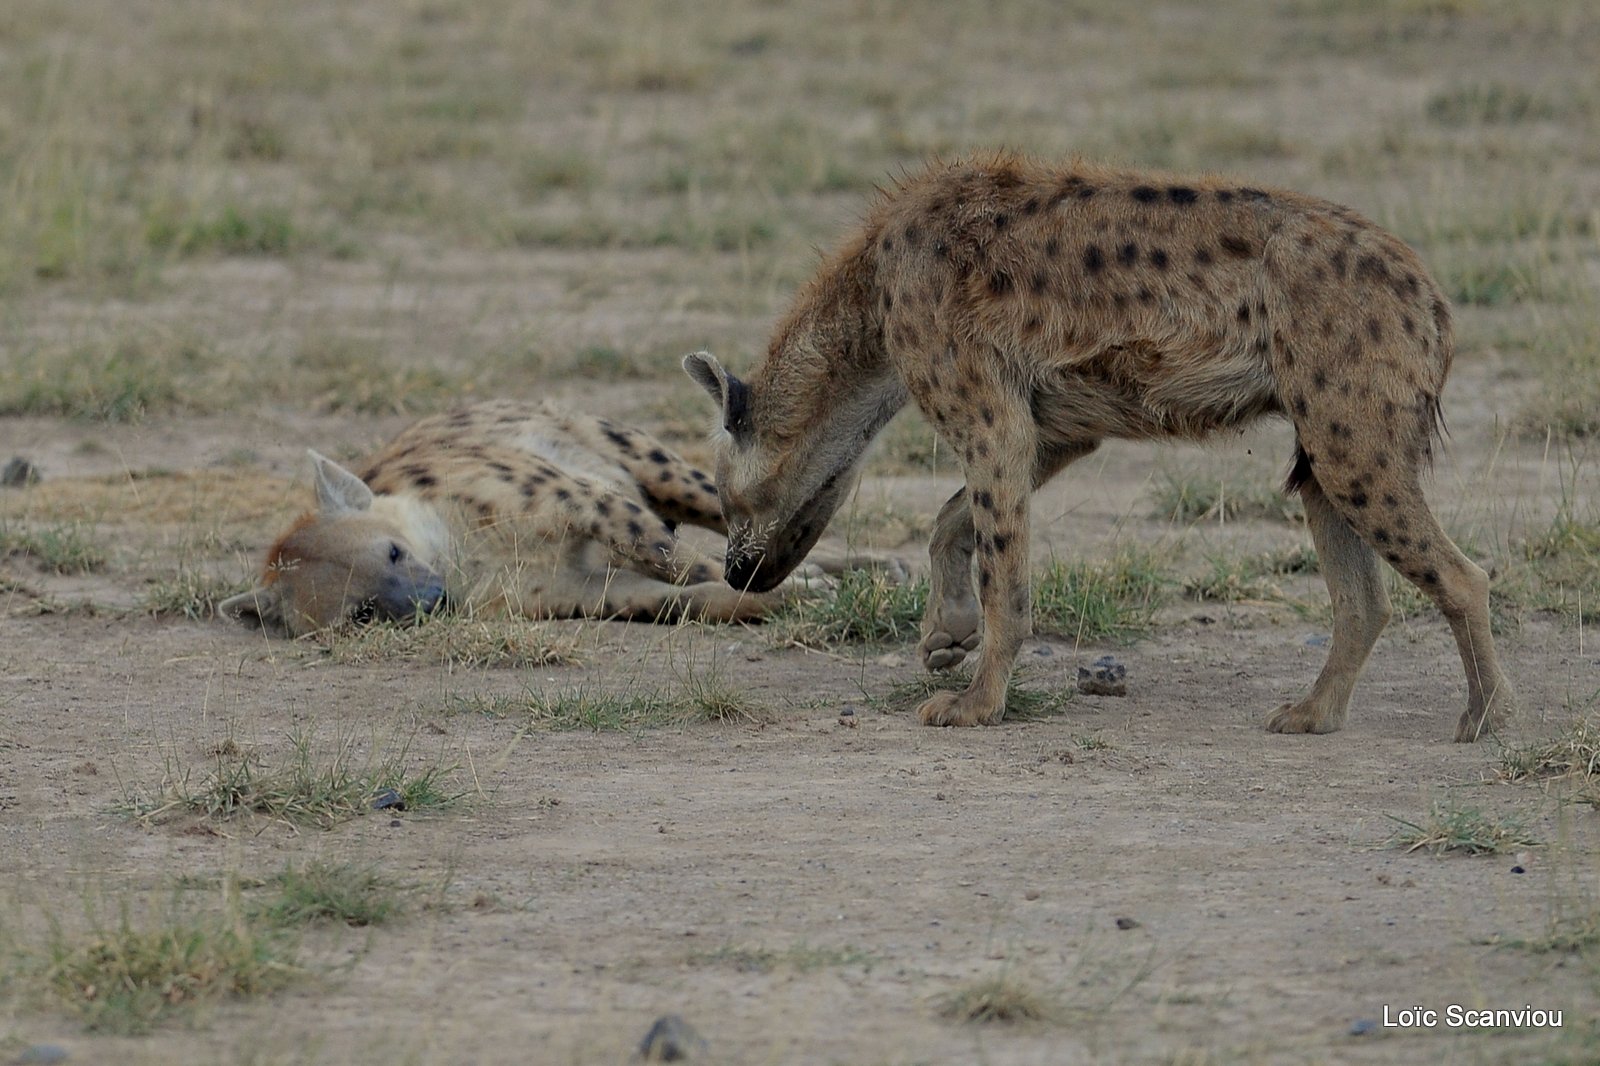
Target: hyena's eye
<point>396,553</point>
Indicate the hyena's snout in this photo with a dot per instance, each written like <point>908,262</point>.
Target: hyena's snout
<point>416,590</point>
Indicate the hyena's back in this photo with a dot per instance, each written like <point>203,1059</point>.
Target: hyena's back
<point>1138,306</point>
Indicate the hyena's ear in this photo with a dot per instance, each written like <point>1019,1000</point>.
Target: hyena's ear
<point>260,608</point>
<point>338,490</point>
<point>731,394</point>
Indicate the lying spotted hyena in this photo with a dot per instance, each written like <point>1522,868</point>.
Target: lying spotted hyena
<point>511,508</point>
<point>1033,311</point>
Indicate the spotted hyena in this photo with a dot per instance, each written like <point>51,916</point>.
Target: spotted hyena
<point>510,508</point>
<point>1032,311</point>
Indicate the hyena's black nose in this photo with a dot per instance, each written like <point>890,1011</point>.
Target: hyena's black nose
<point>746,572</point>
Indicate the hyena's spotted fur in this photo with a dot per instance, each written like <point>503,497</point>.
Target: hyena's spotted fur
<point>1033,311</point>
<point>502,507</point>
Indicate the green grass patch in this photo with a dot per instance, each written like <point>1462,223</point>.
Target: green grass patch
<point>67,548</point>
<point>1465,829</point>
<point>867,607</point>
<point>128,977</point>
<point>1088,601</point>
<point>189,592</point>
<point>232,230</point>
<point>304,787</point>
<point>346,893</point>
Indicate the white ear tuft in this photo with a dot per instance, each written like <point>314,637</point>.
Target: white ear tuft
<point>338,490</point>
<point>704,369</point>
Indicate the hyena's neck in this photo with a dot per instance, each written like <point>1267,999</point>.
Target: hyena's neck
<point>827,375</point>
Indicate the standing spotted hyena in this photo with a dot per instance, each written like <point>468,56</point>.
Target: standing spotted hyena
<point>1033,311</point>
<point>505,508</point>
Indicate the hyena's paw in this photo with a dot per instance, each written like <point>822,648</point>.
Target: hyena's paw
<point>959,708</point>
<point>1307,716</point>
<point>940,650</point>
<point>949,635</point>
<point>1486,717</point>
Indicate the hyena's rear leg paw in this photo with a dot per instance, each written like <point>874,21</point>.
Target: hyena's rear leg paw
<point>1308,716</point>
<point>1486,715</point>
<point>960,708</point>
<point>950,636</point>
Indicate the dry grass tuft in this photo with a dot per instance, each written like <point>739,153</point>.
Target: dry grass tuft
<point>453,640</point>
<point>1002,999</point>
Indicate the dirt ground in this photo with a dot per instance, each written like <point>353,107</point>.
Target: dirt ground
<point>803,890</point>
<point>229,231</point>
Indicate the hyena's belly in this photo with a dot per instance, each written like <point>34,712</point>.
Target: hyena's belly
<point>1141,391</point>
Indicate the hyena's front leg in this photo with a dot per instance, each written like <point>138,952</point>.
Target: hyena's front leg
<point>953,624</point>
<point>997,457</point>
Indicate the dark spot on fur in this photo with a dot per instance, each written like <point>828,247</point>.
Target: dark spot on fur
<point>1319,380</point>
<point>1381,536</point>
<point>1429,577</point>
<point>1237,247</point>
<point>999,283</point>
<point>1225,196</point>
<point>1001,221</point>
<point>1144,194</point>
<point>1338,429</point>
<point>1374,329</point>
<point>1094,259</point>
<point>983,499</point>
<point>1041,283</point>
<point>1358,500</point>
<point>1202,257</point>
<point>1372,268</point>
<point>1158,258</point>
<point>424,481</point>
<point>1030,205</point>
<point>1032,324</point>
<point>1243,314</point>
<point>1128,254</point>
<point>1052,247</point>
<point>913,234</point>
<point>1250,193</point>
<point>987,414</point>
<point>1182,194</point>
<point>1300,406</point>
<point>1001,542</point>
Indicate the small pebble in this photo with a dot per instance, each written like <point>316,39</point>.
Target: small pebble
<point>670,1039</point>
<point>1519,869</point>
<point>1362,1026</point>
<point>1127,923</point>
<point>1321,640</point>
<point>1031,894</point>
<point>395,823</point>
<point>388,800</point>
<point>18,473</point>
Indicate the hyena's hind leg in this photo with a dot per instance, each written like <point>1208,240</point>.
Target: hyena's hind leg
<point>1360,611</point>
<point>1388,512</point>
<point>1411,539</point>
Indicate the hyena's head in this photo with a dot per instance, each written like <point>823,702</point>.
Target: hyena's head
<point>784,464</point>
<point>349,560</point>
